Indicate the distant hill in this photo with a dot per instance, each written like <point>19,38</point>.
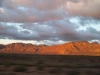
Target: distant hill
<point>71,48</point>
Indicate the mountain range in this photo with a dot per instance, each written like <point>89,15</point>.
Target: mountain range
<point>71,48</point>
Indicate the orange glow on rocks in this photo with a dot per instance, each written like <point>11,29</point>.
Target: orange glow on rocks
<point>71,48</point>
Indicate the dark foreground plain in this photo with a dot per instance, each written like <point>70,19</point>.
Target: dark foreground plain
<point>28,64</point>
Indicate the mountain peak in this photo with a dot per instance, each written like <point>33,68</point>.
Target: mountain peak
<point>2,46</point>
<point>71,48</point>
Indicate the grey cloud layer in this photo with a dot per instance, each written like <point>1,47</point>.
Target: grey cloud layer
<point>49,19</point>
<point>58,30</point>
<point>42,10</point>
<point>87,8</point>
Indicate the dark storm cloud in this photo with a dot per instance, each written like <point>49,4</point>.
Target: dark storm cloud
<point>51,31</point>
<point>49,19</point>
<point>61,30</point>
<point>91,34</point>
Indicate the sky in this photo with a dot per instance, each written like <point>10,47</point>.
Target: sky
<point>49,21</point>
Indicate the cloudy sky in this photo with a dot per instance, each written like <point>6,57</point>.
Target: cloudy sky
<point>49,21</point>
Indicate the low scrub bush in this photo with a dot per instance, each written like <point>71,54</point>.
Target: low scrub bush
<point>20,69</point>
<point>73,72</point>
<point>55,70</point>
<point>8,64</point>
<point>40,68</point>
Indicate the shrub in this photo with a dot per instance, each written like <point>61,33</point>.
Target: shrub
<point>8,64</point>
<point>40,68</point>
<point>39,62</point>
<point>20,69</point>
<point>56,70</point>
<point>95,66</point>
<point>26,64</point>
<point>1,70</point>
<point>73,72</point>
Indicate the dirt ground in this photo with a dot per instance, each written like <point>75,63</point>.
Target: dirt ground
<point>17,64</point>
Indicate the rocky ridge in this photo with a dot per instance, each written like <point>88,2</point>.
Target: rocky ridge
<point>71,48</point>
